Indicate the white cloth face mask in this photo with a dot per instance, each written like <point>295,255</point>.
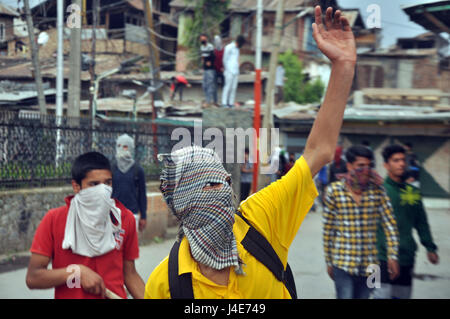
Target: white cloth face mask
<point>89,229</point>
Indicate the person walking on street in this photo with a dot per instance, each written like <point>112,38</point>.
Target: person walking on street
<point>214,255</point>
<point>129,181</point>
<point>353,208</point>
<point>279,83</point>
<point>231,71</point>
<point>91,242</point>
<point>209,72</point>
<point>409,213</point>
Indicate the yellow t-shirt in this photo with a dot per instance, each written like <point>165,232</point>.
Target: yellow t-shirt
<point>276,212</point>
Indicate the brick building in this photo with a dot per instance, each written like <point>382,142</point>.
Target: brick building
<point>7,15</point>
<point>412,63</point>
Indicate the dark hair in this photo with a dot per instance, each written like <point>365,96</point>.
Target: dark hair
<point>87,162</point>
<point>240,40</point>
<point>358,150</point>
<point>409,144</point>
<point>390,150</point>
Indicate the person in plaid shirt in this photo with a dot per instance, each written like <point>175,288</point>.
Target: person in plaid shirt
<point>354,205</point>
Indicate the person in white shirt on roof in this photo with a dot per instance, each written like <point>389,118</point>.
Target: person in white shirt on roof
<point>231,71</point>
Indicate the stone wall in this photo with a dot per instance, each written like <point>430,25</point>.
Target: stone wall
<point>20,214</point>
<point>22,210</point>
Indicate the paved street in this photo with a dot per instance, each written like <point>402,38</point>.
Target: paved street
<point>306,259</point>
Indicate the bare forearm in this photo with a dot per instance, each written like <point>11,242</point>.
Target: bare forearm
<point>324,134</point>
<point>47,278</point>
<point>135,285</point>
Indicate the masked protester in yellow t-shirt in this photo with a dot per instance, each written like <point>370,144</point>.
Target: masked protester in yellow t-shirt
<point>215,254</point>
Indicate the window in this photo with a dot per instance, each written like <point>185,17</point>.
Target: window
<point>2,32</point>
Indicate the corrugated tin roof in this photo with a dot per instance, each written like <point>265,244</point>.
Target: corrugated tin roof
<point>394,115</point>
<point>7,10</point>
<point>104,62</point>
<point>137,4</point>
<point>403,52</point>
<point>368,112</point>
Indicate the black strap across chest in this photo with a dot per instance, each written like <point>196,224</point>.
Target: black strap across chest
<point>256,244</point>
<point>180,285</point>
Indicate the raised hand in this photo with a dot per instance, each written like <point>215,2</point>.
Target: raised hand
<point>334,38</point>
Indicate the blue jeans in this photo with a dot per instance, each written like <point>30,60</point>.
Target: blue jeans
<point>209,85</point>
<point>350,286</point>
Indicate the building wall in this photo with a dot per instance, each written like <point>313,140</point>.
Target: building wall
<point>405,73</point>
<point>9,30</point>
<point>426,73</point>
<point>444,80</point>
<point>401,72</point>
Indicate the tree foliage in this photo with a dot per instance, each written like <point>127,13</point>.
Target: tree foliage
<point>296,86</point>
<point>207,18</point>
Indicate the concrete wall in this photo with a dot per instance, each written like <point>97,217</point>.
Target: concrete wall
<point>22,210</point>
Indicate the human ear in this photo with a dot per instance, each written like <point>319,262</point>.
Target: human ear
<point>349,167</point>
<point>76,187</point>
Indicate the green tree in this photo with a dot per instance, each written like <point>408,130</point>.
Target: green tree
<point>207,17</point>
<point>296,88</point>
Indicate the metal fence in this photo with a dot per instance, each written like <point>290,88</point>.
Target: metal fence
<point>36,152</point>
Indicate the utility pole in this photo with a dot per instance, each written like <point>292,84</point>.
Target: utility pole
<point>268,121</point>
<point>154,52</point>
<point>59,61</point>
<point>154,69</point>
<point>59,77</point>
<point>92,99</point>
<point>257,94</point>
<point>92,88</point>
<point>73,100</point>
<point>84,12</point>
<point>35,59</point>
<point>92,109</point>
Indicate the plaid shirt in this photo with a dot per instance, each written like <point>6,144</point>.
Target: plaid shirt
<point>349,232</point>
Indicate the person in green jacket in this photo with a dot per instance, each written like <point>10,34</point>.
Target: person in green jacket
<point>409,213</point>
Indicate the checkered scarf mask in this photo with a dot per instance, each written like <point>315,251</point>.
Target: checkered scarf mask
<point>206,216</point>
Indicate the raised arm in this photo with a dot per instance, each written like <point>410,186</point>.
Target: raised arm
<point>335,40</point>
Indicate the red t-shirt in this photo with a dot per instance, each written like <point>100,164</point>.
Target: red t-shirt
<point>181,79</point>
<point>218,62</point>
<point>48,242</point>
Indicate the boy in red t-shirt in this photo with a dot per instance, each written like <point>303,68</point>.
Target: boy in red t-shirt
<point>92,241</point>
